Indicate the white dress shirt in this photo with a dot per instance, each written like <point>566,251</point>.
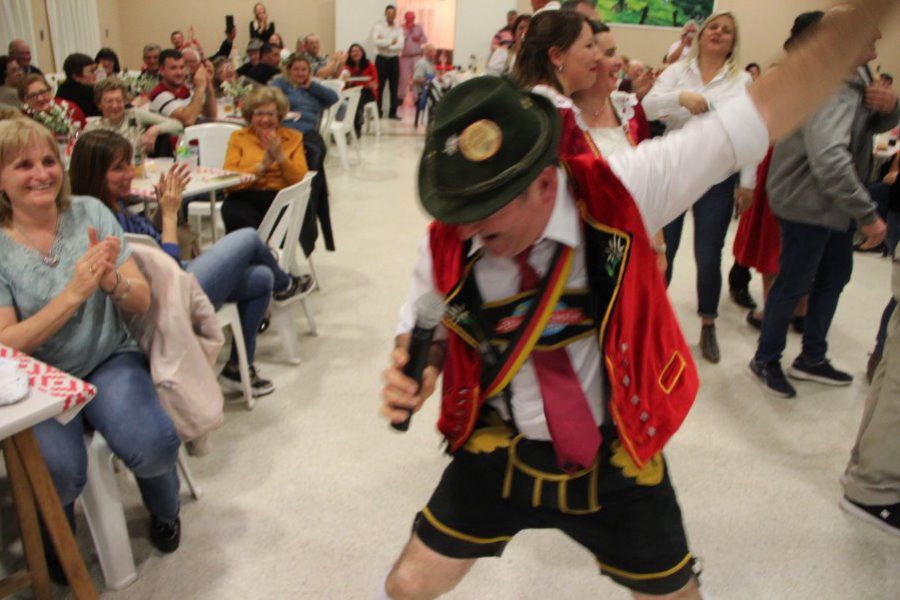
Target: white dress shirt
<point>662,102</point>
<point>388,38</point>
<point>664,176</point>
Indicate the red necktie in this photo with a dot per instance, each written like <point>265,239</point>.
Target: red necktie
<point>573,431</point>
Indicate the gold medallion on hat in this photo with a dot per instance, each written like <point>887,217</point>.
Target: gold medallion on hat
<point>481,140</point>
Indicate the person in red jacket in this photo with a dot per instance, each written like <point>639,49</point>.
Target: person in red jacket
<point>564,369</point>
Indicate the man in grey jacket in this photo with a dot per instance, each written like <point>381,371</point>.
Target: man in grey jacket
<point>817,189</point>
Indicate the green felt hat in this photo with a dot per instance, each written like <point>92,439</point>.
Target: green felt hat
<point>487,142</point>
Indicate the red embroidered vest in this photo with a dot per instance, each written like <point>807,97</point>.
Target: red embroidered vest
<point>652,377</point>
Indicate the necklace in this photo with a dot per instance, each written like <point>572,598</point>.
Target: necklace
<point>51,259</point>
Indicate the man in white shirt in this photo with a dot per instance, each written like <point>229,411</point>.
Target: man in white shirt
<point>505,213</point>
<point>173,99</point>
<point>388,36</point>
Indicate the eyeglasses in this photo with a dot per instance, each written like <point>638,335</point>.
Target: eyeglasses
<point>36,95</point>
<point>265,113</point>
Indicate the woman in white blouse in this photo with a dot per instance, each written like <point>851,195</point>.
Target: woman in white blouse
<point>687,88</point>
<point>611,118</point>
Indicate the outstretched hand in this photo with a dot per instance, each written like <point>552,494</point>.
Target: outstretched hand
<point>170,189</point>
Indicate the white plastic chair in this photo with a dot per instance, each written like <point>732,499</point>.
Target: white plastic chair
<point>105,515</point>
<point>213,139</point>
<point>370,115</point>
<point>280,229</point>
<point>333,84</point>
<point>227,316</point>
<point>328,114</point>
<point>343,129</point>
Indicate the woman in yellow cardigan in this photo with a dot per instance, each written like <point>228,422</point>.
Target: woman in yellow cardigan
<point>266,149</point>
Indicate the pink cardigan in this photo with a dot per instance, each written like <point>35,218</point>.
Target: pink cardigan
<point>181,337</point>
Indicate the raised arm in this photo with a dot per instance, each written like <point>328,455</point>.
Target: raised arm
<point>786,97</point>
<point>666,175</point>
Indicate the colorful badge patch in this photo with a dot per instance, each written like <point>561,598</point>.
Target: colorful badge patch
<point>481,140</point>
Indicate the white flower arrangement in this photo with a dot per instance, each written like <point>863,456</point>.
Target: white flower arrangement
<point>58,119</point>
<point>138,84</point>
<point>236,90</point>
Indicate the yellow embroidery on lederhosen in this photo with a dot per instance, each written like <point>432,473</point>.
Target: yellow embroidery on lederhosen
<point>651,474</point>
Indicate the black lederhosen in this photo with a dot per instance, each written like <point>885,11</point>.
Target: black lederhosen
<point>501,483</point>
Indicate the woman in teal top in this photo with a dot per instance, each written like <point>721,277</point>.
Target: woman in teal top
<point>66,278</point>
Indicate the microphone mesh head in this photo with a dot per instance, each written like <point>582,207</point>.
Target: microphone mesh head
<point>430,309</point>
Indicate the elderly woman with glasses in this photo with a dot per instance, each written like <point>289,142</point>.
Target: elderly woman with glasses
<point>266,149</point>
<point>140,127</point>
<point>36,97</point>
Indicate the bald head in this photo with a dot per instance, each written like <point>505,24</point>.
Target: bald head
<point>20,52</point>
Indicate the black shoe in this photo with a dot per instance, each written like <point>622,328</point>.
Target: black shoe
<point>165,535</point>
<point>885,517</point>
<point>264,325</point>
<point>709,346</point>
<point>298,286</point>
<point>872,366</point>
<point>821,372</point>
<point>754,321</point>
<point>742,297</point>
<point>231,381</point>
<point>772,378</point>
<point>799,324</point>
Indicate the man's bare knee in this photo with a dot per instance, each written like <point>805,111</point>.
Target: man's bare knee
<point>691,591</point>
<point>421,573</point>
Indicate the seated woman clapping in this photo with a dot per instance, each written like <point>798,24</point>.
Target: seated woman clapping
<point>66,279</point>
<point>140,127</point>
<point>266,149</point>
<point>238,268</point>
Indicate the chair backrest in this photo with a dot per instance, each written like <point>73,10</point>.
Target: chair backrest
<point>280,228</point>
<point>350,102</point>
<point>213,139</point>
<point>333,84</point>
<point>139,239</point>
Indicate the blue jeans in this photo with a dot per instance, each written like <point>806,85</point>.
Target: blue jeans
<point>816,261</point>
<point>127,412</point>
<point>240,268</point>
<point>712,215</point>
<point>893,237</point>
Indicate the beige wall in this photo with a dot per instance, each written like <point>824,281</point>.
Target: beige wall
<point>127,25</point>
<point>42,53</point>
<point>143,21</point>
<point>763,27</point>
<point>110,29</point>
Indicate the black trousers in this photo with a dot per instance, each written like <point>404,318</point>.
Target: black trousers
<point>246,208</point>
<point>317,211</point>
<point>388,72</point>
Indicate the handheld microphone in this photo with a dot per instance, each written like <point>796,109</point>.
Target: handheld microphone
<point>429,312</point>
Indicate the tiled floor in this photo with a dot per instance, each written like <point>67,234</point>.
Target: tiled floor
<point>311,496</point>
